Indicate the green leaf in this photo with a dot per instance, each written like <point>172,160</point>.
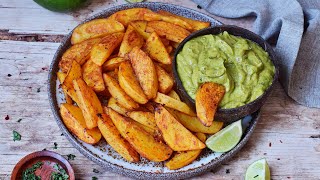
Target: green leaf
<point>16,136</point>
<point>71,156</point>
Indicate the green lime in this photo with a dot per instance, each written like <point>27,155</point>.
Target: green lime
<point>134,1</point>
<point>258,170</point>
<point>60,5</point>
<point>225,139</point>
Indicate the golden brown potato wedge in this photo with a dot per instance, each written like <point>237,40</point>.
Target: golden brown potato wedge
<point>129,15</point>
<point>101,51</point>
<point>150,106</point>
<point>152,16</point>
<point>145,118</point>
<point>73,73</point>
<point>140,140</point>
<point>156,50</point>
<point>145,72</point>
<point>208,97</point>
<point>175,134</point>
<point>112,64</point>
<point>140,27</point>
<point>130,40</point>
<point>164,79</point>
<point>73,119</point>
<point>130,84</point>
<point>174,95</point>
<point>193,124</point>
<point>61,76</point>
<point>167,67</point>
<point>115,140</point>
<point>118,93</point>
<point>173,103</point>
<point>95,28</point>
<point>113,74</point>
<point>92,75</point>
<point>184,158</point>
<point>170,31</point>
<point>78,52</point>
<point>196,25</point>
<point>71,93</point>
<point>88,103</point>
<point>112,103</point>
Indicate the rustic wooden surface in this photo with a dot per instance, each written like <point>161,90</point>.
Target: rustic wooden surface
<point>288,134</point>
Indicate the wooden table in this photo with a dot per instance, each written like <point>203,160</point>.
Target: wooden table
<point>288,134</point>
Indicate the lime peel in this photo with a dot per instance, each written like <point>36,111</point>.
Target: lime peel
<point>258,170</point>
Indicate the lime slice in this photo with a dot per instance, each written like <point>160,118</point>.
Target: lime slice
<point>258,170</point>
<point>134,1</point>
<point>225,139</point>
<point>60,5</point>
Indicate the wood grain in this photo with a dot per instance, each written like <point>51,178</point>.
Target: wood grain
<point>287,134</point>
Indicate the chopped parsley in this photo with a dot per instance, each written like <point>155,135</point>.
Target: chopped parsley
<point>94,178</point>
<point>55,145</point>
<point>60,174</point>
<point>28,174</point>
<point>16,136</point>
<point>71,156</point>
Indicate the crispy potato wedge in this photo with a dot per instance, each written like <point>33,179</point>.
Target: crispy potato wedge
<point>165,41</point>
<point>61,76</point>
<point>78,52</point>
<point>140,140</point>
<point>196,25</point>
<point>164,79</point>
<point>113,74</point>
<point>152,16</point>
<point>112,64</point>
<point>130,84</point>
<point>145,118</point>
<point>170,31</point>
<point>101,51</point>
<point>73,73</point>
<point>175,134</point>
<point>71,93</point>
<point>156,50</point>
<point>184,158</point>
<point>92,75</point>
<point>145,72</point>
<point>174,95</point>
<point>167,67</point>
<point>88,103</point>
<point>140,27</point>
<point>208,97</point>
<point>95,28</point>
<point>130,40</point>
<point>173,103</point>
<point>73,119</point>
<point>193,124</point>
<point>113,104</point>
<point>150,106</point>
<point>118,93</point>
<point>115,140</point>
<point>129,15</point>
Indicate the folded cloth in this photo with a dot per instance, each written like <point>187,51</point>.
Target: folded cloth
<point>297,26</point>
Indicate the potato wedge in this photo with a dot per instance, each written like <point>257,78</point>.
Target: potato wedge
<point>73,119</point>
<point>184,158</point>
<point>78,52</point>
<point>115,140</point>
<point>71,93</point>
<point>208,97</point>
<point>88,103</point>
<point>113,74</point>
<point>169,49</point>
<point>170,31</point>
<point>174,44</point>
<point>175,134</point>
<point>130,40</point>
<point>129,15</point>
<point>92,75</point>
<point>73,73</point>
<point>145,72</point>
<point>150,106</point>
<point>164,79</point>
<point>118,93</point>
<point>152,16</point>
<point>112,103</point>
<point>61,76</point>
<point>174,95</point>
<point>156,50</point>
<point>130,84</point>
<point>145,118</point>
<point>165,41</point>
<point>112,64</point>
<point>95,28</point>
<point>193,124</point>
<point>140,27</point>
<point>173,103</point>
<point>140,140</point>
<point>196,25</point>
<point>101,51</point>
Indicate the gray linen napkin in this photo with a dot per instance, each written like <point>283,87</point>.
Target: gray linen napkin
<point>298,49</point>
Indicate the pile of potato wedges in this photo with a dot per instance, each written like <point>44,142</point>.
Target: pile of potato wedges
<point>126,60</point>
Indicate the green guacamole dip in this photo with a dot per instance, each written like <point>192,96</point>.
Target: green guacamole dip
<point>242,66</point>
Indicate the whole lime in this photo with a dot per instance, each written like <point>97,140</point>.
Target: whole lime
<point>60,5</point>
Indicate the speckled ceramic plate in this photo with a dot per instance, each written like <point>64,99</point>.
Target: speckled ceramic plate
<point>102,153</point>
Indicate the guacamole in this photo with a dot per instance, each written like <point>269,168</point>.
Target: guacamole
<point>242,66</point>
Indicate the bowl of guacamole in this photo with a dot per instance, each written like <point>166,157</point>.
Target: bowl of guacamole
<point>243,62</point>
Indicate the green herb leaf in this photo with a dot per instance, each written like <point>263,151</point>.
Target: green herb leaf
<point>16,136</point>
<point>71,156</point>
<point>60,173</point>
<point>55,145</point>
<point>94,178</point>
<point>28,174</point>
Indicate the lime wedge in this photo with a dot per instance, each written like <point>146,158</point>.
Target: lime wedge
<point>258,170</point>
<point>134,1</point>
<point>60,5</point>
<point>225,139</point>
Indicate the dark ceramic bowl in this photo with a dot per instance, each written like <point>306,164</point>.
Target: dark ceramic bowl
<point>233,114</point>
<point>102,153</point>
